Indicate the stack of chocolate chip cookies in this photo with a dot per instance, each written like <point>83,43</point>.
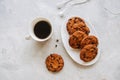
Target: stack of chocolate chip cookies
<point>80,38</point>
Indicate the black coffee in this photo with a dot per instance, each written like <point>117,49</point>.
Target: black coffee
<point>42,29</point>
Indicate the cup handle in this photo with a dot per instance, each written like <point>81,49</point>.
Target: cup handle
<point>28,37</point>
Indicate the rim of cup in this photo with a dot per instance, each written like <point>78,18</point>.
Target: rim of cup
<point>31,30</point>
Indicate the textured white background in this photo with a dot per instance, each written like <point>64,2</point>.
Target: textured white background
<point>22,59</point>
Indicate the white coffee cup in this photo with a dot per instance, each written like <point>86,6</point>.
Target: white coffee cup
<point>32,32</point>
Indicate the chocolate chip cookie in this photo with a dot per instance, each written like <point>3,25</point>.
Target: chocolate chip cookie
<point>89,40</point>
<point>54,62</point>
<point>88,53</point>
<point>76,38</point>
<point>77,24</point>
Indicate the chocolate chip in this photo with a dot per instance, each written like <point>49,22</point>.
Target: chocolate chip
<point>51,65</point>
<point>84,55</point>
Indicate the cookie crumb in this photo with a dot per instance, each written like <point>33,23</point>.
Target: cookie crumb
<point>57,40</point>
<point>56,45</point>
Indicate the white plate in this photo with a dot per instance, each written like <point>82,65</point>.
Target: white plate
<point>75,53</point>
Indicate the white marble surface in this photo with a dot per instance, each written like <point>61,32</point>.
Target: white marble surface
<point>22,59</point>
